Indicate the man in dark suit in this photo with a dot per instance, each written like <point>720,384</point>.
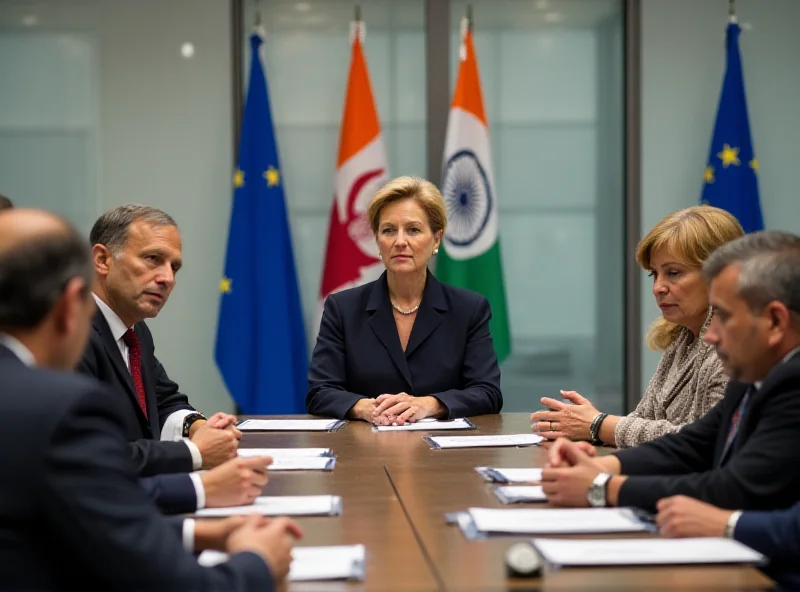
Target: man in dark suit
<point>136,251</point>
<point>73,515</point>
<point>745,453</point>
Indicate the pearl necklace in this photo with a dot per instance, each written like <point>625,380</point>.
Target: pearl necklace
<point>405,312</point>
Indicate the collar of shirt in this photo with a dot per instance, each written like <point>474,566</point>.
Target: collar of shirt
<point>18,349</point>
<point>118,328</point>
<point>786,358</point>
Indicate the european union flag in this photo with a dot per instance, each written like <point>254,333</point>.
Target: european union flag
<point>261,344</point>
<point>731,172</point>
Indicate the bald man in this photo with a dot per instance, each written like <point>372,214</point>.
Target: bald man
<point>73,514</point>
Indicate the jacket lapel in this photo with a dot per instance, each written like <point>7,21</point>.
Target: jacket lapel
<point>112,350</point>
<point>723,449</point>
<point>428,317</point>
<point>381,321</point>
<point>149,382</point>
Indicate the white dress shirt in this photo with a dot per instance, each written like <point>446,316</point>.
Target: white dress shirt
<point>26,357</point>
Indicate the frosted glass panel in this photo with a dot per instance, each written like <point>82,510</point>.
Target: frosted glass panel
<point>57,173</point>
<point>47,80</point>
<point>550,167</point>
<point>553,87</point>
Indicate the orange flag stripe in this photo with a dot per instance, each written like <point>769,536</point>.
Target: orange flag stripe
<point>360,123</point>
<point>468,95</point>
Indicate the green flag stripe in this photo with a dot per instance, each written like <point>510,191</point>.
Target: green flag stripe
<point>482,274</point>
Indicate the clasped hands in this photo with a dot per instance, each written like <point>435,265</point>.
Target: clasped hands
<point>398,409</point>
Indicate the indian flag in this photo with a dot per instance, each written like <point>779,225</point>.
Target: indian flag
<point>470,257</point>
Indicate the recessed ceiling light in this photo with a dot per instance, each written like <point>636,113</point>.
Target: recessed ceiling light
<point>553,17</point>
<point>542,4</point>
<point>30,20</point>
<point>187,50</point>
<point>302,7</point>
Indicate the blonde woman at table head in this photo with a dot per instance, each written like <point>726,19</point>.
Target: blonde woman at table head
<point>689,379</point>
<point>405,347</point>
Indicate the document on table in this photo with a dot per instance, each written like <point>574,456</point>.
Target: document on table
<point>515,494</point>
<point>442,442</point>
<point>282,505</point>
<point>284,452</point>
<point>345,562</point>
<point>302,463</point>
<point>291,425</point>
<point>496,475</point>
<point>555,521</point>
<point>429,425</point>
<point>656,551</point>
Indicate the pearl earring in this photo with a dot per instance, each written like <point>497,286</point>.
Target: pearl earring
<point>436,251</point>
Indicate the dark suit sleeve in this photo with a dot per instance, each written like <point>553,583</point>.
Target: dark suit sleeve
<point>154,457</point>
<point>90,498</point>
<point>480,375</point>
<point>173,494</point>
<point>169,398</point>
<point>775,534</point>
<point>327,372</point>
<point>762,474</point>
<point>687,451</point>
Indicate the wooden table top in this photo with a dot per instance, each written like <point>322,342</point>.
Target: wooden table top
<point>395,492</point>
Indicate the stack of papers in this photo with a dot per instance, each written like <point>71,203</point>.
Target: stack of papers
<point>553,521</point>
<point>496,475</point>
<point>429,425</point>
<point>302,463</point>
<point>281,505</point>
<point>515,494</point>
<point>344,562</point>
<point>655,551</point>
<point>442,442</point>
<point>282,452</point>
<point>291,425</point>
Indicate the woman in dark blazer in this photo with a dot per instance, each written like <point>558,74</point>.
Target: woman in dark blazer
<point>405,347</point>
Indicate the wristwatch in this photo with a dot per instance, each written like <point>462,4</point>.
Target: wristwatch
<point>189,420</point>
<point>596,496</point>
<point>730,526</point>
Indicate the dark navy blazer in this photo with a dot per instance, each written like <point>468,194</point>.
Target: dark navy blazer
<point>777,535</point>
<point>449,355</point>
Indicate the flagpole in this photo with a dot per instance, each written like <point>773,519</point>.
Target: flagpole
<point>258,14</point>
<point>469,17</point>
<point>732,11</point>
<point>357,28</point>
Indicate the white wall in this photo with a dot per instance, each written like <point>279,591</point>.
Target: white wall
<point>682,66</point>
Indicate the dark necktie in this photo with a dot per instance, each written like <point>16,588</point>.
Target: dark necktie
<point>736,421</point>
<point>135,357</point>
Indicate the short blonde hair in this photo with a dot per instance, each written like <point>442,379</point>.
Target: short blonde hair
<point>421,191</point>
<point>690,235</point>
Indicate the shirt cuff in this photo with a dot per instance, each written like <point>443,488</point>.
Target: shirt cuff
<point>197,458</point>
<point>199,490</point>
<point>188,535</point>
<point>173,426</point>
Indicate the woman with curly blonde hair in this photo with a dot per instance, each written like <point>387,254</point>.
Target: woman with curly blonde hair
<point>689,379</point>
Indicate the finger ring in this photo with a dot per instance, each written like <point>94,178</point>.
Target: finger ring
<point>551,427</point>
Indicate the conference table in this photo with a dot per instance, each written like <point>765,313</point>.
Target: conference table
<point>396,491</point>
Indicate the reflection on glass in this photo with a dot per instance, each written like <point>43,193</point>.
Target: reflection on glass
<point>552,75</point>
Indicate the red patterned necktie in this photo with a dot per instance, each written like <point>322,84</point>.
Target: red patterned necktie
<point>135,357</point>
